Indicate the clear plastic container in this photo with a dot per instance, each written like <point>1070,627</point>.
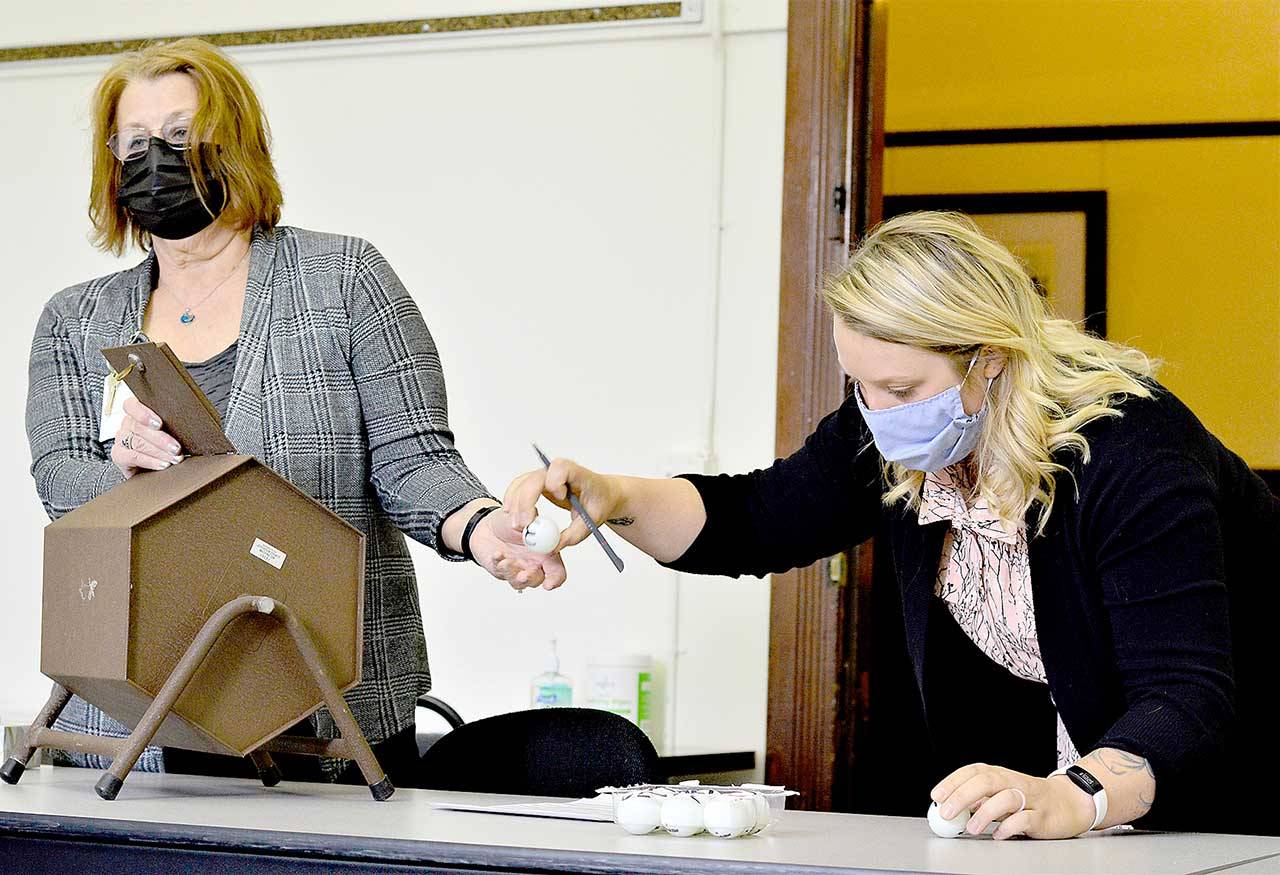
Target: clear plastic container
<point>769,803</point>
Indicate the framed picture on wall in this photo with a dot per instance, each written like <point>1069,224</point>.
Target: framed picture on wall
<point>1061,236</point>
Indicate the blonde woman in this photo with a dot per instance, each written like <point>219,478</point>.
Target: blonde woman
<point>1073,548</point>
<point>308,345</point>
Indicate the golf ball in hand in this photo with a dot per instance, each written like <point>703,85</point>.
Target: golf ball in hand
<point>542,535</point>
<point>947,829</point>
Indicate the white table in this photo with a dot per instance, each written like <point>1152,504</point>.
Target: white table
<point>53,821</point>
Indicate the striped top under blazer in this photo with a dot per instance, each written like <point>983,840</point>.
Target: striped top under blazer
<point>338,388</point>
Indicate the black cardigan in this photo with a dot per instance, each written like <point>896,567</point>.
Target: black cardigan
<point>1164,543</point>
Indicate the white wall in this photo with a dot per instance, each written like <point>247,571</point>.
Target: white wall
<point>596,211</point>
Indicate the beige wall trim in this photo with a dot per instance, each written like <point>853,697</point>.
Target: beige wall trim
<point>408,27</point>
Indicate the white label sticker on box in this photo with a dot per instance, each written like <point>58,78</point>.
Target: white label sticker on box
<point>267,553</point>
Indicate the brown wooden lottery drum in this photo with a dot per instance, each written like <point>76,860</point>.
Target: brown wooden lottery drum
<point>130,578</point>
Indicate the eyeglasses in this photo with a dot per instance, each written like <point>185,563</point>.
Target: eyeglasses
<point>133,142</point>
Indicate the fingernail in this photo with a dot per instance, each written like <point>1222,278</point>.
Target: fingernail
<point>177,459</point>
<point>164,464</point>
<point>155,423</point>
<point>948,812</point>
<point>173,448</point>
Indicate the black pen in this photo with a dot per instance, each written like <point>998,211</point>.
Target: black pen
<point>582,512</point>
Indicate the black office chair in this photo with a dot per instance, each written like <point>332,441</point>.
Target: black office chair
<point>446,711</point>
<point>544,752</point>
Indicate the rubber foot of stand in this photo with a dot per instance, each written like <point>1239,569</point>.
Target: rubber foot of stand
<point>12,770</point>
<point>108,787</point>
<point>270,777</point>
<point>382,790</point>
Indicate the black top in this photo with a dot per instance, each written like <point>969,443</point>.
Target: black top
<point>214,376</point>
<point>1164,543</point>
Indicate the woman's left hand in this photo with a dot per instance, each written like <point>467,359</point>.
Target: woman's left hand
<point>499,548</point>
<point>1040,808</point>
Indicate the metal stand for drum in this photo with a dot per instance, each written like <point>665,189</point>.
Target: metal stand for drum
<point>124,752</point>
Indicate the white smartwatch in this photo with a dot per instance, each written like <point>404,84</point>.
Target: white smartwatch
<point>1091,785</point>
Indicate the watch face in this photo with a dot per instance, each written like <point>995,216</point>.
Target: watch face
<point>1085,781</point>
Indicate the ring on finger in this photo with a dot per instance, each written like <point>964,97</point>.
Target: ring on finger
<point>1023,797</point>
<point>127,441</point>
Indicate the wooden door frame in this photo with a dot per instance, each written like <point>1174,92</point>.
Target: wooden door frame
<point>831,194</point>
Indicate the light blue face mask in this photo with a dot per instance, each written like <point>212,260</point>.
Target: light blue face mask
<point>926,435</point>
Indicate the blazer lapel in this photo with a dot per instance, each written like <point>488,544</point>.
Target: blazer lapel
<point>244,423</point>
<point>144,282</point>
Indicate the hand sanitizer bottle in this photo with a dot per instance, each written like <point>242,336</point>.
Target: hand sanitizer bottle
<point>552,689</point>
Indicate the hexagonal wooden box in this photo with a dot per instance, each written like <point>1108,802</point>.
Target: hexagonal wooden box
<point>130,577</point>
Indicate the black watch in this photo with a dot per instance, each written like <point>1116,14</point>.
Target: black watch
<point>471,527</point>
<point>1085,780</point>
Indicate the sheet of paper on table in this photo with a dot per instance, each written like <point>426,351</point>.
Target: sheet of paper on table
<point>599,809</point>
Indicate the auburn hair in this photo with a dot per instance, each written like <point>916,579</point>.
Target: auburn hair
<point>228,124</point>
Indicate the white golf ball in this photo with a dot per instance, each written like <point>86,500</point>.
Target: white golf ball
<point>729,817</point>
<point>947,829</point>
<point>639,814</point>
<point>542,535</point>
<point>682,815</point>
<point>763,811</point>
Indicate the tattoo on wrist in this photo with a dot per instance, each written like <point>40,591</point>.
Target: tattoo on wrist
<point>1119,762</point>
<point>622,521</point>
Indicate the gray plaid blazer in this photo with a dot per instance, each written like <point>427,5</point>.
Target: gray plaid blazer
<point>337,387</point>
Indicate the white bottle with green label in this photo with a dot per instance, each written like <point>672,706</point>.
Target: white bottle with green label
<point>552,689</point>
<point>624,685</point>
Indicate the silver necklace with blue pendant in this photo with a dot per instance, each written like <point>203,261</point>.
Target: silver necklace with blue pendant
<point>187,316</point>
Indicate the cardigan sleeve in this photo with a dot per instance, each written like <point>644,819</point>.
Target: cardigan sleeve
<point>68,463</point>
<point>1159,556</point>
<point>417,472</point>
<point>824,498</point>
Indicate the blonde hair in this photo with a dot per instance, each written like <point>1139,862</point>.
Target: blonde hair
<point>228,115</point>
<point>934,281</point>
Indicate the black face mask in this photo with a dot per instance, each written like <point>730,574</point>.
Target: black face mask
<point>160,195</point>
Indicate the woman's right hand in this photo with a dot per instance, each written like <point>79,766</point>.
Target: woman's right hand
<point>140,443</point>
<point>597,492</point>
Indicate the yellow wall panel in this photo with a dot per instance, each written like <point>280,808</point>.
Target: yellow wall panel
<point>1004,167</point>
<point>1194,277</point>
<point>1193,224</point>
<point>1036,63</point>
<point>1193,257</point>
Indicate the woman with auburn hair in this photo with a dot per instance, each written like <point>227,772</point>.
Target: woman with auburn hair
<point>1072,546</point>
<point>312,351</point>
